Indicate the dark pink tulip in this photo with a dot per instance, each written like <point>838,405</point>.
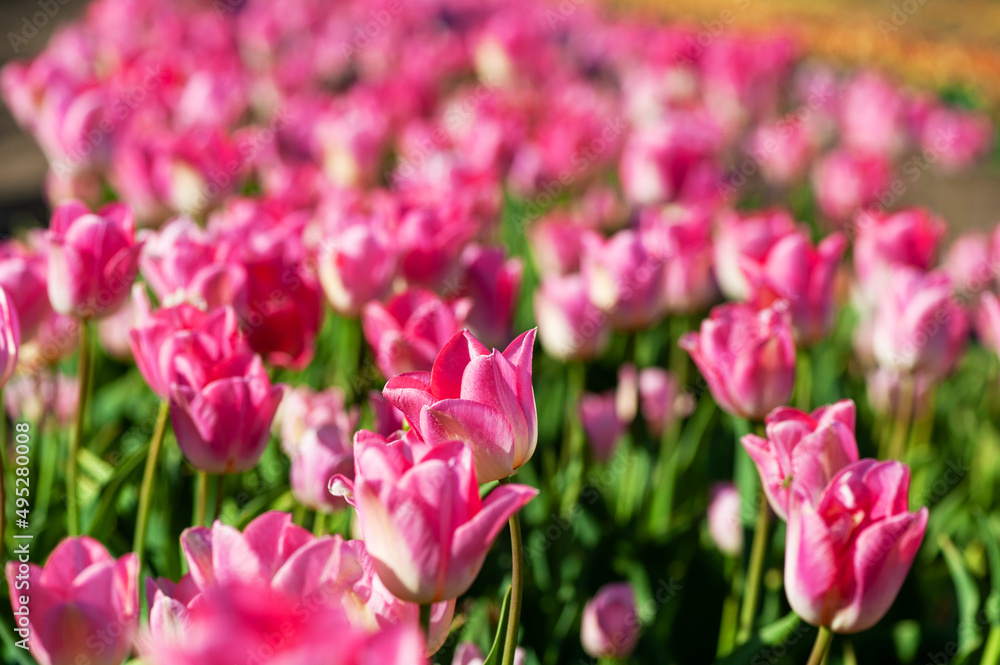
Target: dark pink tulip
<point>747,357</point>
<point>179,264</point>
<point>661,399</point>
<point>492,284</point>
<point>724,523</point>
<point>624,278</point>
<point>918,327</point>
<point>317,432</point>
<point>81,606</point>
<point>681,236</point>
<point>847,554</point>
<point>159,336</point>
<point>424,524</point>
<point>23,276</point>
<point>387,418</point>
<point>570,327</point>
<point>431,241</point>
<point>237,624</point>
<point>610,626</point>
<point>793,271</point>
<point>746,237</point>
<point>604,428</point>
<point>409,331</point>
<point>93,259</point>
<point>802,451</point>
<point>221,408</point>
<point>485,399</point>
<point>845,182</point>
<point>909,238</point>
<point>10,337</point>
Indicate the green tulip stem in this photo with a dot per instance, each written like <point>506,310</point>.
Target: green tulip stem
<point>821,647</point>
<point>83,373</point>
<point>517,586</point>
<point>148,478</point>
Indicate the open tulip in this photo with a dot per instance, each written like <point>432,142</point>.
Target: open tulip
<point>409,331</point>
<point>847,554</point>
<point>570,327</point>
<point>81,606</point>
<point>221,408</point>
<point>424,524</point>
<point>10,337</point>
<point>610,626</point>
<point>802,451</point>
<point>93,259</point>
<point>747,357</point>
<point>472,395</point>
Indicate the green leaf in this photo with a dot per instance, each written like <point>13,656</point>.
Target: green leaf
<point>496,652</point>
<point>967,592</point>
<point>788,631</point>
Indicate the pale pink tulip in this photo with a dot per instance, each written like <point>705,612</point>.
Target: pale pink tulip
<point>724,523</point>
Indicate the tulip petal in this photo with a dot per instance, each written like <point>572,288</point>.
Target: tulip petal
<point>484,428</point>
<point>457,353</point>
<point>410,393</point>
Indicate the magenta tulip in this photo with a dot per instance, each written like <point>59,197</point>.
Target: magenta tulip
<point>424,524</point>
<point>472,395</point>
<point>221,408</point>
<point>10,337</point>
<point>409,331</point>
<point>610,626</point>
<point>846,556</point>
<point>317,432</point>
<point>624,278</point>
<point>81,606</point>
<point>570,327</point>
<point>23,276</point>
<point>725,525</point>
<point>604,428</point>
<point>802,451</point>
<point>492,284</point>
<point>908,238</point>
<point>93,259</point>
<point>747,357</point>
<point>802,276</point>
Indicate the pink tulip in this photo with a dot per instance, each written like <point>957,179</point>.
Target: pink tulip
<point>243,623</point>
<point>885,391</point>
<point>610,626</point>
<point>317,433</point>
<point>387,418</point>
<point>160,336</point>
<point>845,182</point>
<point>93,259</point>
<point>56,395</point>
<point>802,451</point>
<point>357,263</point>
<point>179,264</point>
<point>783,149</point>
<point>987,320</point>
<point>747,237</point>
<point>169,606</point>
<point>492,284</point>
<point>221,408</point>
<point>846,555</point>
<point>724,523</point>
<point>10,337</point>
<point>570,327</point>
<point>467,653</point>
<point>682,237</point>
<point>917,326</point>
<point>908,238</point>
<point>431,241</point>
<point>424,524</point>
<point>747,357</point>
<point>971,264</point>
<point>873,115</point>
<point>661,399</point>
<point>793,271</point>
<point>604,428</point>
<point>624,278</point>
<point>81,606</point>
<point>409,331</point>
<point>23,276</point>
<point>485,399</point>
<point>955,137</point>
<point>555,242</point>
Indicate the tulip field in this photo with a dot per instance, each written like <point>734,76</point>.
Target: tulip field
<point>480,332</point>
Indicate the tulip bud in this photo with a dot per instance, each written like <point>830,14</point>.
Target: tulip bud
<point>739,238</point>
<point>610,627</point>
<point>724,523</point>
<point>747,357</point>
<point>570,327</point>
<point>598,414</point>
<point>623,278</point>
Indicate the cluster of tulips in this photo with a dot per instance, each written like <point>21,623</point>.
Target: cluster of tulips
<point>306,226</point>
